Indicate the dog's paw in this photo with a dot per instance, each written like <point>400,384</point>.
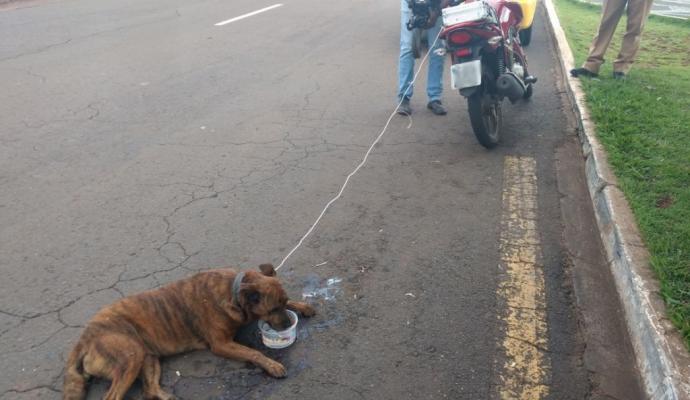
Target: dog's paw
<point>308,311</point>
<point>160,395</point>
<point>276,369</point>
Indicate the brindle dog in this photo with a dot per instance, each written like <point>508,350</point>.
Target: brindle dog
<point>123,341</point>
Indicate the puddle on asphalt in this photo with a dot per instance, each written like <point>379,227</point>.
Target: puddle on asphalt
<point>315,288</point>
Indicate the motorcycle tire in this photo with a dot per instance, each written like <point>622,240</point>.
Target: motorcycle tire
<point>525,36</point>
<point>529,90</point>
<point>417,42</point>
<point>486,118</point>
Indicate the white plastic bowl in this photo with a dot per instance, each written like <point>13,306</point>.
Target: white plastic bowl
<point>279,339</point>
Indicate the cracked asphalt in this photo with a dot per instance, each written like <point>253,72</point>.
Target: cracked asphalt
<point>139,143</point>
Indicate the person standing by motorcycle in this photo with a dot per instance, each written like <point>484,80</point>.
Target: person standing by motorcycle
<point>434,86</point>
<point>638,11</point>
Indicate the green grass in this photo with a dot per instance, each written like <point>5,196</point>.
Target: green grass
<point>644,124</point>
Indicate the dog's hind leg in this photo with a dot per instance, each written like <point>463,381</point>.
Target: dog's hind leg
<point>150,376</point>
<point>124,357</point>
<point>123,378</point>
<point>121,383</point>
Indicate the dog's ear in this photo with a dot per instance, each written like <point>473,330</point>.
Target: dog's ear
<point>250,294</point>
<point>267,269</point>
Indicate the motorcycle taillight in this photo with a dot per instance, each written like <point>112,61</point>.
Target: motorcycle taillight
<point>463,52</point>
<point>459,37</point>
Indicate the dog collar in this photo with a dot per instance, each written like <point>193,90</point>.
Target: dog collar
<point>236,287</point>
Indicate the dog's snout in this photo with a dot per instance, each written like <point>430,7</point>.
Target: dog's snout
<point>283,322</point>
<point>286,321</point>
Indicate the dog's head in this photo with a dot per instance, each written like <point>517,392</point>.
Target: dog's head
<point>264,298</point>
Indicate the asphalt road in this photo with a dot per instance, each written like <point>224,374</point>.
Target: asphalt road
<point>140,143</point>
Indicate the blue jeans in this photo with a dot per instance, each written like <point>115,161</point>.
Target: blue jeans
<point>434,86</point>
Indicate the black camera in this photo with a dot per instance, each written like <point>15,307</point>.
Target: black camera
<point>421,10</point>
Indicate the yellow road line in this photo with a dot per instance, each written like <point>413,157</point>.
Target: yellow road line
<point>523,367</point>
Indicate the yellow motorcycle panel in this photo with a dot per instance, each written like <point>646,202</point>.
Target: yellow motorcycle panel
<point>528,8</point>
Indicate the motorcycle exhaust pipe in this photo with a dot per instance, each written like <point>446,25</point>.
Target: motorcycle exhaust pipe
<point>510,86</point>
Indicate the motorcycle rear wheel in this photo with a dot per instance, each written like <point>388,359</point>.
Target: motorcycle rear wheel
<point>529,91</point>
<point>486,117</point>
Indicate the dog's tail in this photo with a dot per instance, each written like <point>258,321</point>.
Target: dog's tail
<point>74,387</point>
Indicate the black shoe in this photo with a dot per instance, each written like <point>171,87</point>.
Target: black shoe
<point>404,107</point>
<point>583,72</point>
<point>436,107</point>
<point>619,75</point>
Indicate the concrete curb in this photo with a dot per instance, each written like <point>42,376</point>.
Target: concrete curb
<point>662,359</point>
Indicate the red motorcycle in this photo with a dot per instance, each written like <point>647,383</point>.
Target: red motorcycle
<point>488,62</point>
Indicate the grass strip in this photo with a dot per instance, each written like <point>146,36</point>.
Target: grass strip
<point>644,124</point>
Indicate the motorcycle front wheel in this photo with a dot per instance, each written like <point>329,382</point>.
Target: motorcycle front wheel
<point>525,36</point>
<point>486,117</point>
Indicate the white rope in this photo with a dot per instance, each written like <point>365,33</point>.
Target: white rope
<point>364,160</point>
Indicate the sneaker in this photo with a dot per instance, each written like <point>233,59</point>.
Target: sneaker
<point>583,72</point>
<point>404,107</point>
<point>436,107</point>
<point>618,75</point>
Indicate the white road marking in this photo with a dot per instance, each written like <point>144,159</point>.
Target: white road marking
<point>227,21</point>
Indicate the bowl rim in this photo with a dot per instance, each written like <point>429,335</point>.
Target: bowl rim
<point>292,315</point>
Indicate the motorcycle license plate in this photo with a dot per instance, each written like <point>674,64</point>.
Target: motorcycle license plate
<point>467,74</point>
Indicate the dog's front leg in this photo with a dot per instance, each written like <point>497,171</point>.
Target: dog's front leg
<point>301,307</point>
<point>239,352</point>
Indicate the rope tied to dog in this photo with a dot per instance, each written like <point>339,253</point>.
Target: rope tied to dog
<point>364,159</point>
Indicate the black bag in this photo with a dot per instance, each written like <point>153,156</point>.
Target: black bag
<point>421,10</point>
